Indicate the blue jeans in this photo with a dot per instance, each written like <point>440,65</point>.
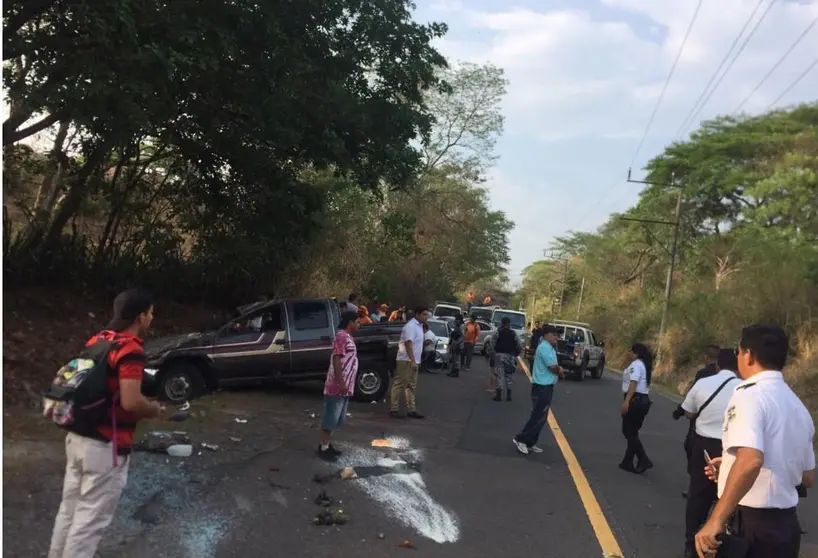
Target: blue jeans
<point>541,397</point>
<point>335,411</point>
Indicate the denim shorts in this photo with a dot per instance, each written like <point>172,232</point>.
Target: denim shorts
<point>335,411</point>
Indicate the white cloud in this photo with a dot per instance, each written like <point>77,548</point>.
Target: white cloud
<point>580,74</point>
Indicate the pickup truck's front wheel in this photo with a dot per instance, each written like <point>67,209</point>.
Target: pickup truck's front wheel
<point>372,383</point>
<point>180,382</point>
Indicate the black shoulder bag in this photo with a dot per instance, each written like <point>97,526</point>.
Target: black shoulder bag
<point>688,445</point>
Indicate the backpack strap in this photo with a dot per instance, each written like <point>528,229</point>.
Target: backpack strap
<point>714,394</point>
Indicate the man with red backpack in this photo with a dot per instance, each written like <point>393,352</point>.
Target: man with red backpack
<point>100,437</point>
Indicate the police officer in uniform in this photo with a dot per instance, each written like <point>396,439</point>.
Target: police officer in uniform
<point>768,452</point>
<point>705,405</point>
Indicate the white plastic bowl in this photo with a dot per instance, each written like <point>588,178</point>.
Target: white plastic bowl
<point>180,450</point>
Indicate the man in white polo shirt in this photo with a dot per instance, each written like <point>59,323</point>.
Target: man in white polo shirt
<point>705,405</point>
<point>410,352</point>
<point>767,440</point>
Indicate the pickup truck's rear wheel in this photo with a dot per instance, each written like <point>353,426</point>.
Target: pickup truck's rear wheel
<point>597,373</point>
<point>583,368</point>
<point>180,382</point>
<point>372,382</point>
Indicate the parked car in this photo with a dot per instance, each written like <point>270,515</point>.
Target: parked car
<point>443,309</point>
<point>579,351</point>
<point>482,313</point>
<point>280,340</point>
<point>440,355</point>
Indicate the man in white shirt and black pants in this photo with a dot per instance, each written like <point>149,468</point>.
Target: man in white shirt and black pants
<point>705,405</point>
<point>768,452</point>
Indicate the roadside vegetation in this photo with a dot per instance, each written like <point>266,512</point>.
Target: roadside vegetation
<point>748,249</point>
<point>227,151</point>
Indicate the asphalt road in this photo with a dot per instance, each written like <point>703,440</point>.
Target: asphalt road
<point>460,489</point>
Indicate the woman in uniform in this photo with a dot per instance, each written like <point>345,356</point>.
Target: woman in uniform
<point>635,407</point>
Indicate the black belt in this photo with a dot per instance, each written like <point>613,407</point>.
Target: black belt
<point>765,513</point>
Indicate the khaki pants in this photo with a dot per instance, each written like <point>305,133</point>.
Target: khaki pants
<point>405,381</point>
<point>90,496</point>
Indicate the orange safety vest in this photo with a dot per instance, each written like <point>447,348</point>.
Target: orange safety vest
<point>472,332</point>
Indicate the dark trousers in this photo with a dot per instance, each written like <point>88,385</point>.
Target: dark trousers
<point>771,533</point>
<point>631,424</point>
<point>541,397</point>
<point>701,491</point>
<point>468,353</point>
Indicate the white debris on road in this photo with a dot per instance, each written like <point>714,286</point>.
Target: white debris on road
<point>404,495</point>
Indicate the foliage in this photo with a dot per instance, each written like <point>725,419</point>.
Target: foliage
<point>748,250</point>
<point>221,150</point>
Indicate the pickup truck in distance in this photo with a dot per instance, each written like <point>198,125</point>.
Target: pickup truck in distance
<point>579,351</point>
<point>271,341</point>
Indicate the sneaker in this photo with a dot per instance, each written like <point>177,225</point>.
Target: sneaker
<point>535,449</point>
<point>394,414</point>
<point>333,450</point>
<point>415,415</point>
<point>522,448</point>
<point>327,455</point>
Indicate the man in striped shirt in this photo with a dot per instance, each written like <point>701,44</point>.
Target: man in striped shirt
<point>97,461</point>
<point>339,385</point>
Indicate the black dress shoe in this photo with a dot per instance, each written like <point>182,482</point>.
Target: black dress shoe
<point>642,467</point>
<point>627,467</point>
<point>415,415</point>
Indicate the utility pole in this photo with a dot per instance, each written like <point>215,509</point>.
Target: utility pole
<point>676,224</point>
<point>564,281</point>
<point>581,292</point>
<point>564,260</point>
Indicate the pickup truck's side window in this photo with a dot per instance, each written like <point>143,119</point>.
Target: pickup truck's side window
<point>591,338</point>
<point>310,315</point>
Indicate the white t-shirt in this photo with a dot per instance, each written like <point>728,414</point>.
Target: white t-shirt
<point>710,422</point>
<point>412,331</point>
<point>636,372</point>
<point>765,414</point>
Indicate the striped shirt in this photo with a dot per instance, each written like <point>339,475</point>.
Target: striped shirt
<point>126,361</point>
<point>344,346</point>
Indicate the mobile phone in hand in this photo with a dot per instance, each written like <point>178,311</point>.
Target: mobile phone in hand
<point>707,458</point>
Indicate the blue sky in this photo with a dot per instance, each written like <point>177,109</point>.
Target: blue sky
<point>584,77</point>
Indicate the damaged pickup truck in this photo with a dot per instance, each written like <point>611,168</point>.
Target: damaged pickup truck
<point>271,341</point>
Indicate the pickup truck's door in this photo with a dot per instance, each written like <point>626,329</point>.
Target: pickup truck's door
<point>311,331</point>
<point>252,347</point>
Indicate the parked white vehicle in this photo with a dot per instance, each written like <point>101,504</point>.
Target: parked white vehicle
<point>447,309</point>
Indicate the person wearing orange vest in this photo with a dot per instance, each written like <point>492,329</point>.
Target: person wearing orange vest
<point>470,339</point>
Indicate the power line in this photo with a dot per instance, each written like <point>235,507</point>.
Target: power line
<point>777,64</point>
<point>794,83</point>
<point>667,82</point>
<point>729,66</point>
<point>721,65</point>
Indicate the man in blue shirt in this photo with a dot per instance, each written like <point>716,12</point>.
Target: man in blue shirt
<point>544,377</point>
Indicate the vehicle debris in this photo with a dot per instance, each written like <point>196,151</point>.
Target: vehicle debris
<point>348,473</point>
<point>159,441</point>
<point>323,500</point>
<point>240,420</point>
<point>211,447</point>
<point>235,439</point>
<point>407,544</point>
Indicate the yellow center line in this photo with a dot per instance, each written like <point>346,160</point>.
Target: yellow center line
<point>602,529</point>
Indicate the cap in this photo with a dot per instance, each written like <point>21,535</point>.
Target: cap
<point>128,305</point>
<point>549,329</point>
